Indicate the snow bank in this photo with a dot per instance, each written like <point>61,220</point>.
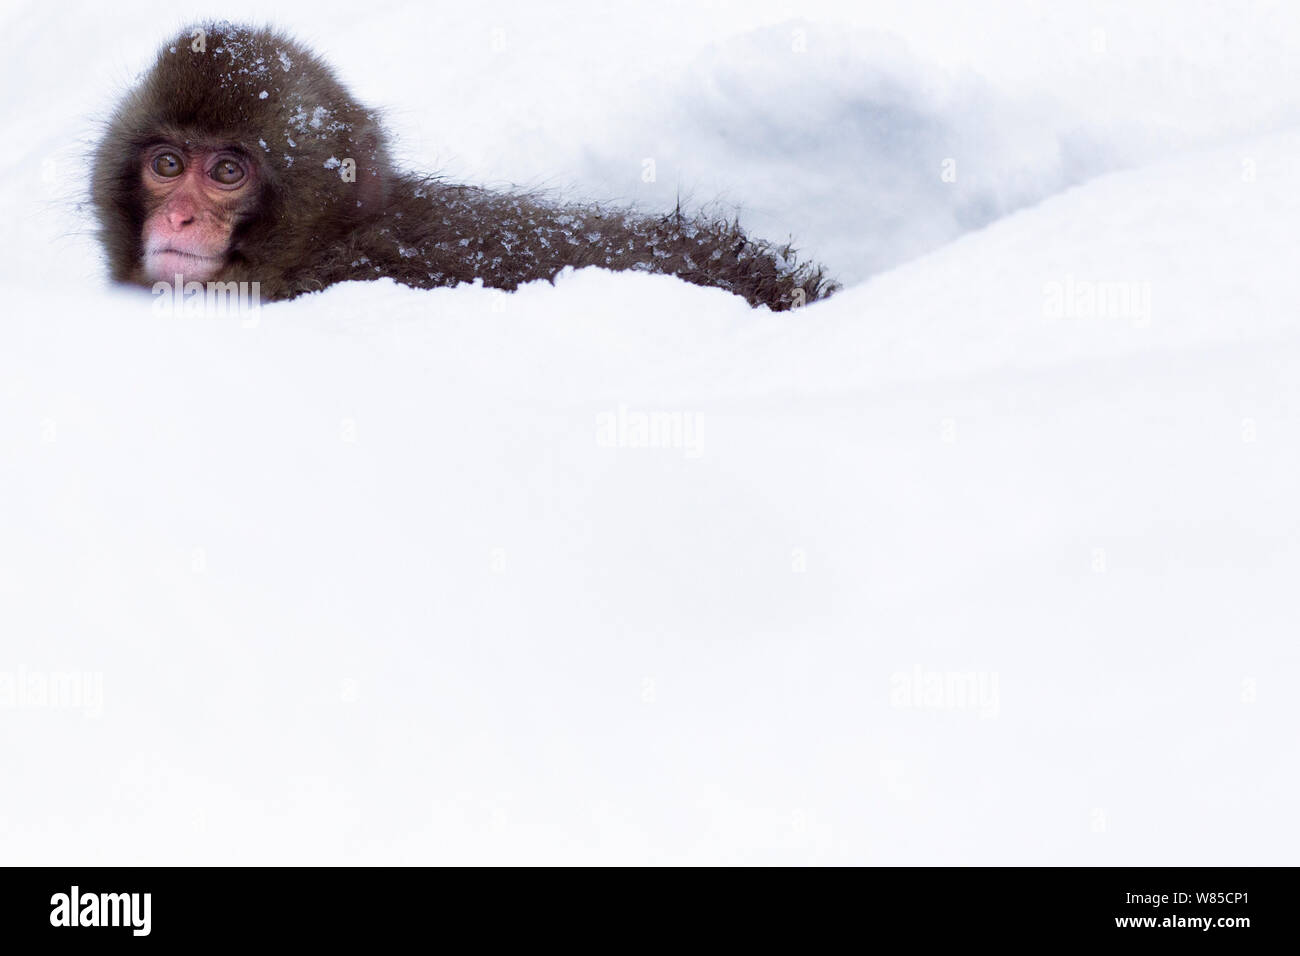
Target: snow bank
<point>620,570</point>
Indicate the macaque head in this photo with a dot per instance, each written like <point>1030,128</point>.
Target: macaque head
<point>236,156</point>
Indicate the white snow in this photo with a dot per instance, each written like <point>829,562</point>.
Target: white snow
<point>989,559</point>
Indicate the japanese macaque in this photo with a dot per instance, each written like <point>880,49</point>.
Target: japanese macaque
<point>240,157</point>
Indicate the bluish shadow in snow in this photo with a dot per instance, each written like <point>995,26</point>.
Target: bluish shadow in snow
<point>868,157</point>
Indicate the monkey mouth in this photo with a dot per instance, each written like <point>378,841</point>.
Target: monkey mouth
<point>167,262</point>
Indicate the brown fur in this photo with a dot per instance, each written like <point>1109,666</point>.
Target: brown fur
<point>309,228</point>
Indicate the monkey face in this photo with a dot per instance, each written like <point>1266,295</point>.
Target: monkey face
<point>194,197</point>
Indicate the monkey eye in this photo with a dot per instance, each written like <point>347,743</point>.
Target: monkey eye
<point>227,172</point>
<point>168,165</point>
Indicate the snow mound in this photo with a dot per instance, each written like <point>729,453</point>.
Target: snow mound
<point>620,570</point>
